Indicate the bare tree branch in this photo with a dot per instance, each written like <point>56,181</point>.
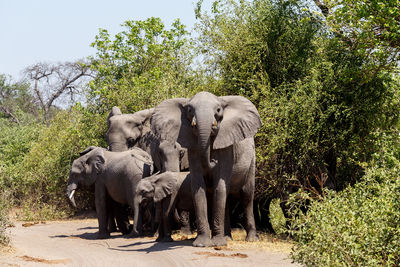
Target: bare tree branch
<point>51,81</point>
<point>8,112</point>
<point>324,9</point>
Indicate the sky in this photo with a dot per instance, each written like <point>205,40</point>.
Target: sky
<point>33,31</point>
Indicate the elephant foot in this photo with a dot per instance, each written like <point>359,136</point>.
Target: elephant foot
<point>133,234</point>
<point>219,240</point>
<point>252,236</point>
<point>203,241</point>
<point>228,237</point>
<point>103,235</point>
<point>126,230</point>
<point>186,231</point>
<point>165,239</point>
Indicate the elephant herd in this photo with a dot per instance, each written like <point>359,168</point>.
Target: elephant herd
<point>180,160</point>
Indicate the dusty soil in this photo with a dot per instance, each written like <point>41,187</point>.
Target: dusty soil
<point>74,243</point>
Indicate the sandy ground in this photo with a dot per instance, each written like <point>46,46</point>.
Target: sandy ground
<point>73,243</point>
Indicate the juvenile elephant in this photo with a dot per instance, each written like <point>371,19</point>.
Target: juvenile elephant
<point>113,173</point>
<point>133,130</point>
<point>219,135</point>
<point>170,191</point>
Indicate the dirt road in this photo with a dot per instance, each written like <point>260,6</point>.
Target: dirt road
<point>73,243</point>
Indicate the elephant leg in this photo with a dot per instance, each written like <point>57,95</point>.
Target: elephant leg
<point>121,216</point>
<point>247,195</point>
<point>111,206</point>
<point>185,222</point>
<point>159,215</point>
<point>166,211</point>
<point>227,228</point>
<point>101,209</point>
<point>219,211</point>
<point>198,187</point>
<point>200,206</point>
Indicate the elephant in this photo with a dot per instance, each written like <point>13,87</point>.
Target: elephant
<point>170,191</point>
<point>133,130</point>
<point>115,211</point>
<point>126,131</point>
<point>114,174</point>
<point>219,135</point>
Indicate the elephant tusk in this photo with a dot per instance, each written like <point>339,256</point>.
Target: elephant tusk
<point>72,194</point>
<point>215,123</point>
<point>193,122</point>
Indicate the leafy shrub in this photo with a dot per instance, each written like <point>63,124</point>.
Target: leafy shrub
<point>4,220</point>
<point>359,226</point>
<point>39,180</point>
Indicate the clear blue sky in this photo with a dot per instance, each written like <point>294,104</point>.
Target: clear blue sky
<point>34,31</point>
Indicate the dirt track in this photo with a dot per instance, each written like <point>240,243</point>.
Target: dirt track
<point>73,243</point>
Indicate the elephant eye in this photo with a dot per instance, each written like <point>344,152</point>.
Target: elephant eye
<point>218,114</point>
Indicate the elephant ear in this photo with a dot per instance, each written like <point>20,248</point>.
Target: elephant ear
<point>87,150</point>
<point>97,160</point>
<point>144,115</point>
<point>240,121</point>
<point>164,186</point>
<point>169,122</point>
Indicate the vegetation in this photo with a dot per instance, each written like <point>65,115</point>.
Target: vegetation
<point>357,226</point>
<point>323,75</point>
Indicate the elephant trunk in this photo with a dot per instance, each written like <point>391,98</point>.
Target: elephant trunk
<point>71,191</point>
<point>136,209</point>
<point>118,146</point>
<point>204,138</point>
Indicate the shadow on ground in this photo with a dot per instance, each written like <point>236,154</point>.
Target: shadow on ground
<point>157,246</point>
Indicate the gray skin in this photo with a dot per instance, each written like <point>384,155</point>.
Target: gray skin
<point>133,130</point>
<point>115,174</point>
<point>219,135</point>
<point>170,191</point>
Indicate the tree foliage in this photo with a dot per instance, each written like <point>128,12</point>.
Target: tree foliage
<point>141,65</point>
<point>370,29</point>
<point>15,100</point>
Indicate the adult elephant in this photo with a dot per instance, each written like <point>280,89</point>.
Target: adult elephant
<point>115,174</point>
<point>133,130</point>
<point>219,135</point>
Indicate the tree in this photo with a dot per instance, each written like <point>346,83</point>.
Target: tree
<point>14,99</point>
<point>50,83</point>
<point>141,65</point>
<point>368,28</point>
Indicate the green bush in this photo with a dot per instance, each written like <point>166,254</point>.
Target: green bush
<point>39,179</point>
<point>4,220</point>
<point>359,226</point>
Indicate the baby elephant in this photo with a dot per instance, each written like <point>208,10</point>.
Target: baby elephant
<point>169,191</point>
<point>115,174</point>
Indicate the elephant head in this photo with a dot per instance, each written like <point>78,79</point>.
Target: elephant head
<point>124,130</point>
<point>173,156</point>
<point>154,188</point>
<point>205,122</point>
<point>85,170</point>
